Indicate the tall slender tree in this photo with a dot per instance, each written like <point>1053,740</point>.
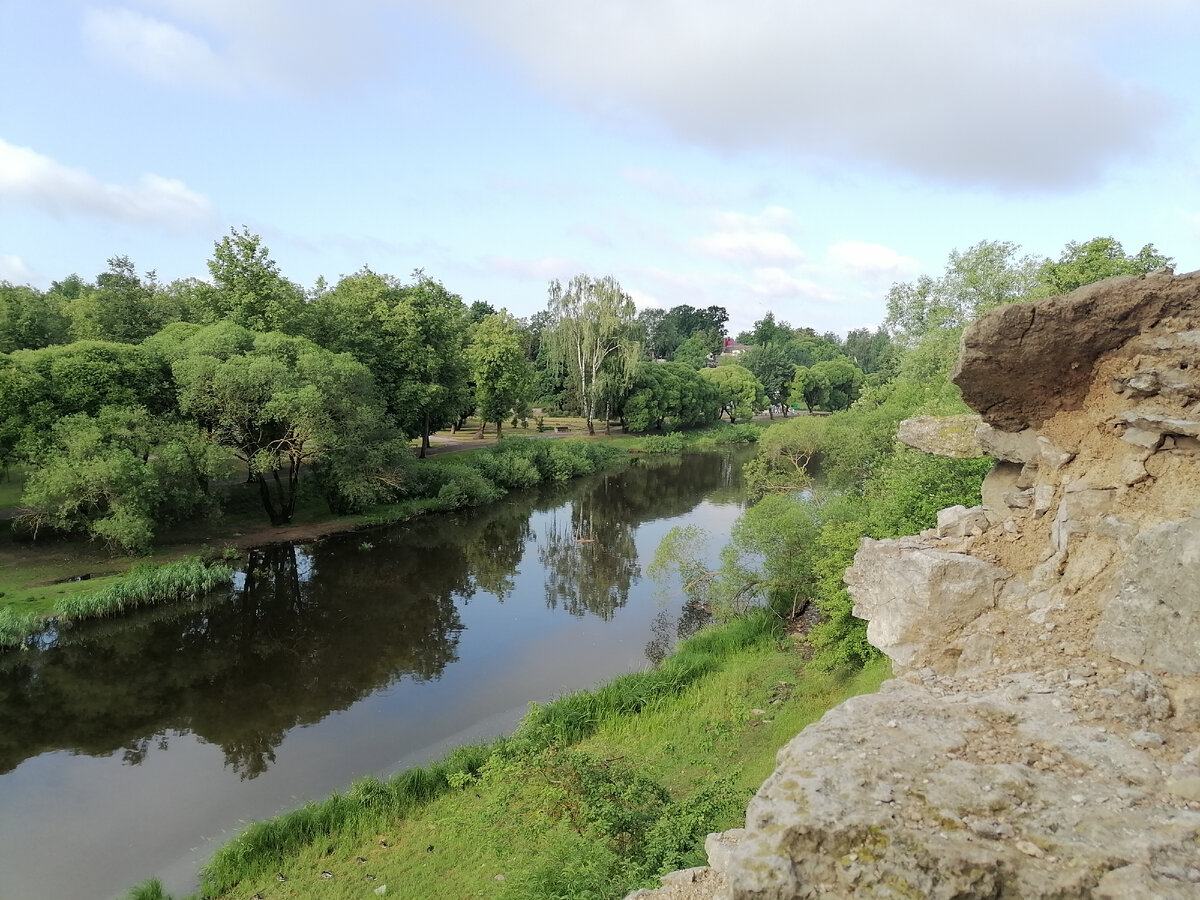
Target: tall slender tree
<point>591,333</point>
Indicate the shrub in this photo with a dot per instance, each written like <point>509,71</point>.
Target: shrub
<point>666,443</point>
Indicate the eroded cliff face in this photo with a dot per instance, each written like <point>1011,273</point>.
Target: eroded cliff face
<point>1042,736</point>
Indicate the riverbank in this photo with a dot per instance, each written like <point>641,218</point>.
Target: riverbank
<point>57,581</point>
<point>595,794</point>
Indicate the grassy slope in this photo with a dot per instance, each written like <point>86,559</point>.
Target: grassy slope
<point>458,845</point>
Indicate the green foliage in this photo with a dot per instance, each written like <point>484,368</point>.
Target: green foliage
<point>188,579</point>
<point>739,394</point>
<point>249,289</point>
<point>502,375</point>
<point>591,334</point>
<point>665,443</point>
<point>844,379</point>
<point>16,625</point>
<point>985,276</point>
<point>118,476</point>
<point>29,319</point>
<point>668,395</point>
<point>148,890</point>
<point>1095,260</point>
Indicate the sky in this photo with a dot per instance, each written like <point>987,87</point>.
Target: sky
<point>794,156</point>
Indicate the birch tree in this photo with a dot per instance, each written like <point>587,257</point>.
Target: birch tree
<point>590,333</point>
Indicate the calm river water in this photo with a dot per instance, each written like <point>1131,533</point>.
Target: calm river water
<point>133,748</point>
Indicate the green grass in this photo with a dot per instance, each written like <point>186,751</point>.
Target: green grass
<point>184,579</point>
<point>594,795</point>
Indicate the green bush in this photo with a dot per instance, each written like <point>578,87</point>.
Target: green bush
<point>665,443</point>
<point>466,486</point>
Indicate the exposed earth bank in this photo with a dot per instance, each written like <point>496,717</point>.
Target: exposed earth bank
<point>1042,736</point>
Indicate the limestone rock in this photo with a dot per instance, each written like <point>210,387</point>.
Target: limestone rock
<point>952,436</point>
<point>1153,616</point>
<point>915,596</point>
<point>988,800</point>
<point>1020,364</point>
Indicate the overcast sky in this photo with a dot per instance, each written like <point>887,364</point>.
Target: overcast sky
<point>785,155</point>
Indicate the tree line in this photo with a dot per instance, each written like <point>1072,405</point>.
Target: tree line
<point>125,397</point>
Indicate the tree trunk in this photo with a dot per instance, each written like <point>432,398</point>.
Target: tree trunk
<point>264,494</point>
<point>499,428</point>
<point>424,437</point>
<point>591,428</point>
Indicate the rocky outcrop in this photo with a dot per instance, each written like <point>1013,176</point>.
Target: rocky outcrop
<point>1041,737</point>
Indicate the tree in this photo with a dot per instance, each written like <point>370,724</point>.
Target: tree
<point>121,308</point>
<point>1095,260</point>
<point>766,331</point>
<point>739,394</point>
<point>285,404</point>
<point>698,350</point>
<point>811,387</point>
<point>669,392</point>
<point>772,367</point>
<point>411,337</point>
<point>30,319</point>
<point>589,333</point>
<point>118,476</point>
<point>845,381</point>
<point>249,288</point>
<point>500,370</point>
<point>431,386</point>
<point>983,277</point>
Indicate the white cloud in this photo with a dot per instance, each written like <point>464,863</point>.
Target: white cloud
<point>30,177</point>
<point>13,269</point>
<point>1002,94</point>
<point>753,240</point>
<point>155,49</point>
<point>863,259</point>
<point>295,45</point>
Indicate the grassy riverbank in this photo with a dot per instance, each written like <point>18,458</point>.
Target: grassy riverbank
<point>62,580</point>
<point>595,794</point>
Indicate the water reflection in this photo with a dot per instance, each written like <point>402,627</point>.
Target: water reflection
<point>312,629</point>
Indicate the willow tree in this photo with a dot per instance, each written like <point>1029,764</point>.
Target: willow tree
<point>591,334</point>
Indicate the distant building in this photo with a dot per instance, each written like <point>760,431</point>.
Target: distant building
<point>733,348</point>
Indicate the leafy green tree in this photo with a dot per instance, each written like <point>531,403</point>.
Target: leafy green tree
<point>30,319</point>
<point>766,332</point>
<point>121,308</point>
<point>590,334</point>
<point>284,405</point>
<point>119,475</point>
<point>669,393</point>
<point>983,277</point>
<point>739,394</point>
<point>411,337</point>
<point>502,374</point>
<point>82,377</point>
<point>431,384</point>
<point>479,310</point>
<point>810,386</point>
<point>698,350</point>
<point>249,288</point>
<point>869,350</point>
<point>1095,260</point>
<point>845,381</point>
<point>772,367</point>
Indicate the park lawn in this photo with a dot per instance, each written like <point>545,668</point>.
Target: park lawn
<point>497,835</point>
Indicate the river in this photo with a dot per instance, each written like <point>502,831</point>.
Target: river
<point>133,747</point>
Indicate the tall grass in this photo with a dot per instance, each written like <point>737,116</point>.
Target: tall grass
<point>148,890</point>
<point>15,626</point>
<point>363,809</point>
<point>188,579</point>
<point>370,804</point>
